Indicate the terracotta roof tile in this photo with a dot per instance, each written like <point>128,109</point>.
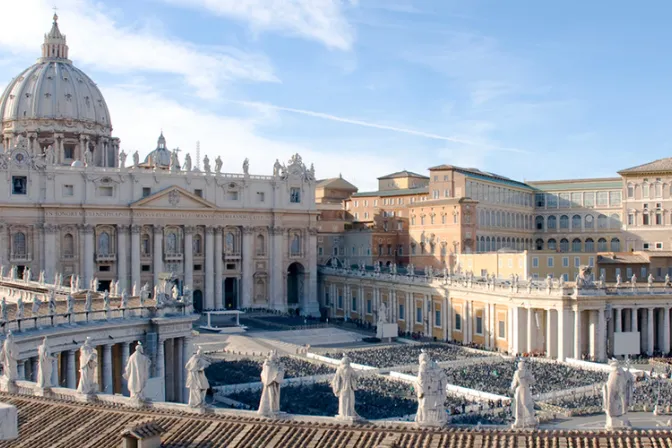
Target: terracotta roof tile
<point>657,166</point>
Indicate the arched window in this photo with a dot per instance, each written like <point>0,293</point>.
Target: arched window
<point>261,245</point>
<point>295,247</point>
<point>551,222</point>
<point>539,223</point>
<point>552,244</point>
<point>171,243</point>
<point>68,245</point>
<point>615,245</point>
<point>197,244</point>
<point>146,246</point>
<point>104,243</point>
<point>601,245</point>
<point>602,222</point>
<point>564,222</point>
<point>576,222</point>
<point>645,190</point>
<point>499,219</point>
<point>589,221</point>
<point>19,244</point>
<point>590,245</point>
<point>615,221</point>
<point>631,191</point>
<point>539,244</point>
<point>576,245</point>
<point>564,245</point>
<point>499,243</point>
<point>488,248</point>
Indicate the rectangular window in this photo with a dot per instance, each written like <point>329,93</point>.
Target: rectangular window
<point>631,219</point>
<point>565,262</point>
<point>231,195</point>
<point>564,200</point>
<point>479,325</point>
<point>69,152</point>
<point>320,251</point>
<point>539,200</point>
<point>19,185</point>
<point>146,191</point>
<point>145,268</point>
<point>446,193</point>
<point>602,199</point>
<point>549,262</point>
<point>340,302</point>
<point>368,306</point>
<point>501,329</point>
<point>198,192</point>
<point>418,315</point>
<point>261,196</point>
<point>577,199</point>
<point>400,249</point>
<point>659,246</point>
<point>628,272</point>
<point>659,219</point>
<point>375,202</point>
<point>615,198</point>
<point>642,272</point>
<point>68,190</point>
<point>198,267</point>
<point>295,195</point>
<point>458,322</point>
<point>551,201</point>
<point>589,199</point>
<point>354,303</point>
<point>535,262</point>
<point>645,219</point>
<point>105,192</point>
<point>591,261</point>
<point>437,318</point>
<point>401,312</point>
<point>577,262</point>
<point>435,194</point>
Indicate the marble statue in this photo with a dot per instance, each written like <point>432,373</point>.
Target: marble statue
<point>246,166</point>
<point>52,302</point>
<point>218,164</point>
<point>272,376</point>
<point>3,309</point>
<point>430,388</point>
<point>35,310</point>
<point>19,308</point>
<point>276,168</point>
<point>522,403</point>
<point>9,355</point>
<point>382,314</point>
<point>87,158</point>
<point>187,162</point>
<point>344,385</point>
<point>26,275</point>
<point>77,281</point>
<point>187,295</point>
<point>175,293</point>
<point>13,273</point>
<point>40,278</point>
<point>197,383</point>
<point>122,159</point>
<point>45,364</point>
<point>70,304</point>
<point>549,281</point>
<point>49,155</point>
<point>144,294</point>
<point>650,280</point>
<point>619,280</point>
<point>94,284</point>
<point>136,158</point>
<point>88,368</point>
<point>134,291</point>
<point>106,301</point>
<point>124,299</point>
<point>617,396</point>
<point>88,303</point>
<point>2,271</point>
<point>206,164</point>
<point>174,162</point>
<point>633,280</point>
<point>136,372</point>
<point>667,279</point>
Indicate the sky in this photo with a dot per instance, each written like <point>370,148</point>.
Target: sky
<point>526,89</point>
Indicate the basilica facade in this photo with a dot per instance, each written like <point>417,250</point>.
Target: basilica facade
<point>71,204</point>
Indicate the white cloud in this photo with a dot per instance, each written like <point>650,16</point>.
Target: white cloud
<point>96,39</point>
<point>320,20</point>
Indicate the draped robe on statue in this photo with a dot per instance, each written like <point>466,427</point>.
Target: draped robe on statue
<point>137,372</point>
<point>272,376</point>
<point>617,395</point>
<point>88,369</point>
<point>430,387</point>
<point>197,383</point>
<point>44,365</point>
<point>344,385</point>
<point>8,358</point>
<point>523,403</point>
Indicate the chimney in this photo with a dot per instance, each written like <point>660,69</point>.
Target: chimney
<point>143,434</point>
<point>9,422</point>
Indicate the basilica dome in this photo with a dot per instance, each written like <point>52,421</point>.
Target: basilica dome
<point>159,157</point>
<point>54,95</point>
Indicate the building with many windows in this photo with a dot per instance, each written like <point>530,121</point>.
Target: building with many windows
<point>70,203</point>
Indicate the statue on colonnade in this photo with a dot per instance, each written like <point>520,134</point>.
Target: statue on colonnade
<point>137,372</point>
<point>197,383</point>
<point>272,376</point>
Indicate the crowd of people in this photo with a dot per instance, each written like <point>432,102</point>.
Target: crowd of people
<point>496,377</point>
<point>405,354</point>
<point>240,371</point>
<point>375,398</point>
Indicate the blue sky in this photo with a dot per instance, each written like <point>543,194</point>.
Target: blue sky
<point>531,90</point>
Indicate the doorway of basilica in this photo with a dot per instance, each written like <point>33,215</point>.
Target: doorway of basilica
<point>295,280</point>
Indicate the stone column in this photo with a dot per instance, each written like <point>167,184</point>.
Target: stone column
<point>54,371</point>
<point>122,258</point>
<point>550,349</point>
<point>108,386</point>
<point>88,262</point>
<point>511,312</point>
<point>160,366</point>
<point>219,302</point>
<point>125,353</point>
<point>633,320</point>
<point>209,269</point>
<point>277,263</point>
<point>468,321</point>
<point>189,256</point>
<point>71,380</point>
<point>179,370</point>
<point>561,335</point>
<point>248,266</point>
<point>666,331</point>
<point>186,354</point>
<point>158,252</point>
<point>530,330</point>
<point>601,335</point>
<point>49,252</point>
<point>649,331</point>
<point>618,324</point>
<point>577,333</point>
<point>487,335</point>
<point>21,369</point>
<point>135,257</point>
<point>310,305</point>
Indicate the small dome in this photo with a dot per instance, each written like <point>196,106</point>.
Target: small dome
<point>160,156</point>
<point>77,164</point>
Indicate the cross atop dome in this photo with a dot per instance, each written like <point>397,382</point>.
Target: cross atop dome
<point>55,46</point>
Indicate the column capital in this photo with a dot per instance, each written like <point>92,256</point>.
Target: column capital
<point>123,228</point>
<point>209,230</point>
<point>51,228</point>
<point>136,229</point>
<point>247,230</point>
<point>189,230</point>
<point>86,228</point>
<point>312,231</point>
<point>277,230</point>
<point>158,229</point>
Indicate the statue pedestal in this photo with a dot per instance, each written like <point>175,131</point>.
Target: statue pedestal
<point>350,420</point>
<point>388,331</point>
<point>621,422</point>
<point>8,386</point>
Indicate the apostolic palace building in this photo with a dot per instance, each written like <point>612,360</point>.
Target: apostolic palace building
<point>74,202</point>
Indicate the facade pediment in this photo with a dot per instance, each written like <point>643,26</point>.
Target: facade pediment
<point>174,197</point>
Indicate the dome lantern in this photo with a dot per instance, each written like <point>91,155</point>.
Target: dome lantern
<point>55,46</point>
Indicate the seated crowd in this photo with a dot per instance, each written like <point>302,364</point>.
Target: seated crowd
<point>404,355</point>
<point>249,370</point>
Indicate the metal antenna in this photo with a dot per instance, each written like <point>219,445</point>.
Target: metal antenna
<point>198,155</point>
